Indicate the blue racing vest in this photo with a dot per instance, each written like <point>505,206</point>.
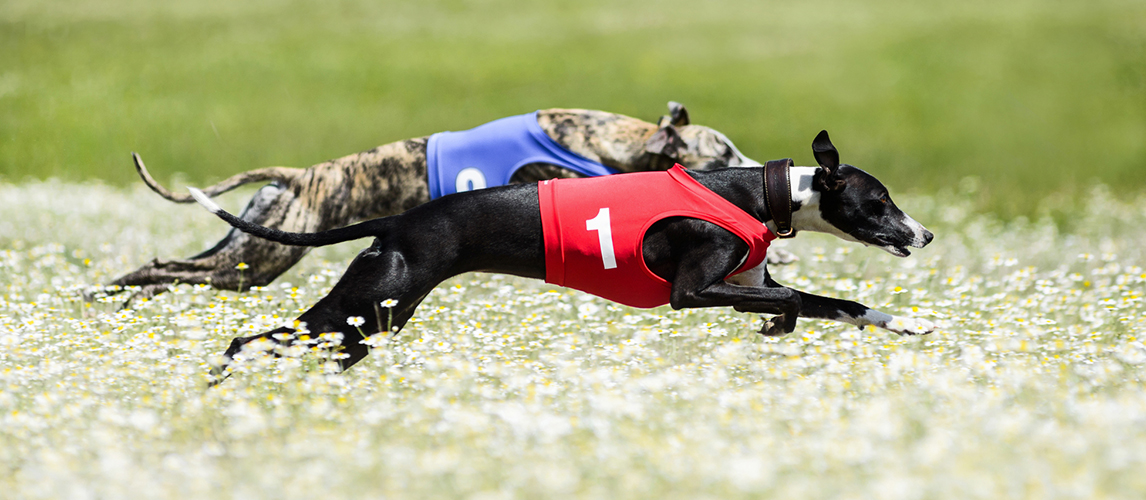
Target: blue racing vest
<point>489,154</point>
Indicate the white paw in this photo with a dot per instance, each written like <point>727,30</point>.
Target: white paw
<point>909,326</point>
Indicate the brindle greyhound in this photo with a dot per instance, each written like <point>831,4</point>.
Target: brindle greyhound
<point>501,230</point>
<point>391,179</point>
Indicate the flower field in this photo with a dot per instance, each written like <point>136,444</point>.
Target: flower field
<point>505,388</point>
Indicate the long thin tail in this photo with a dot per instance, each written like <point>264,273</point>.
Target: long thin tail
<point>285,174</point>
<point>357,231</point>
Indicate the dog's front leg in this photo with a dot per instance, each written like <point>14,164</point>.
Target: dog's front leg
<point>704,286</point>
<point>696,256</point>
<point>846,311</point>
<point>815,306</point>
<point>783,302</point>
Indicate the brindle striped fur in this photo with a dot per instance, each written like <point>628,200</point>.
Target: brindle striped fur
<point>390,179</point>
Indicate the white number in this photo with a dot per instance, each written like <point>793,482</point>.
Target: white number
<point>469,179</point>
<point>604,229</point>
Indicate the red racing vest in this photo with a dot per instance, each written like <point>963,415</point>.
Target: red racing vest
<point>594,229</point>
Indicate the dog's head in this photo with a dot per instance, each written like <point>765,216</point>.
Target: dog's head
<point>694,146</point>
<point>850,203</point>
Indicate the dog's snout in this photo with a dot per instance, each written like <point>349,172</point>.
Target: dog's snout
<point>921,236</point>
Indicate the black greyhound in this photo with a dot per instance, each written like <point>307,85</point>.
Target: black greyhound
<point>499,230</point>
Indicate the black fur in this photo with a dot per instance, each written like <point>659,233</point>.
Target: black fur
<point>499,230</point>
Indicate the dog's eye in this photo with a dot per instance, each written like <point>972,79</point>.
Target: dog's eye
<point>883,199</point>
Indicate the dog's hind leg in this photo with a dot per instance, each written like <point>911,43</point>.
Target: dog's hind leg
<point>374,279</point>
<point>385,180</point>
<point>219,266</point>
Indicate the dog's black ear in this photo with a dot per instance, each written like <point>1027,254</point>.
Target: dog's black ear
<point>826,154</point>
<point>666,141</point>
<point>827,178</point>
<point>678,113</point>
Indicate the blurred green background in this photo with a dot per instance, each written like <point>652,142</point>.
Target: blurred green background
<point>1037,99</point>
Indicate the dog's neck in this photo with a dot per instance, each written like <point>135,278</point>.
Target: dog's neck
<point>806,205</point>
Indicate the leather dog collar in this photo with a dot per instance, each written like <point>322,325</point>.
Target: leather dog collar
<point>778,195</point>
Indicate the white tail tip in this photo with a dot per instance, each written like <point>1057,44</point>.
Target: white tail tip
<point>204,200</point>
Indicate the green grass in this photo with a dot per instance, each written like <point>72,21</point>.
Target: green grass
<point>507,388</point>
<point>504,388</point>
<point>1038,99</point>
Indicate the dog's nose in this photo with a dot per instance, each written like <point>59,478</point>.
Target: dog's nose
<point>927,237</point>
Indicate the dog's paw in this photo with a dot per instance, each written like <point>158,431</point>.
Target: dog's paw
<point>780,256</point>
<point>773,327</point>
<point>909,326</point>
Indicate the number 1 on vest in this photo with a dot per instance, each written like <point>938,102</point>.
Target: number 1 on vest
<point>604,229</point>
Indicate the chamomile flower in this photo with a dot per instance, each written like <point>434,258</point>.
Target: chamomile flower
<point>1047,353</point>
